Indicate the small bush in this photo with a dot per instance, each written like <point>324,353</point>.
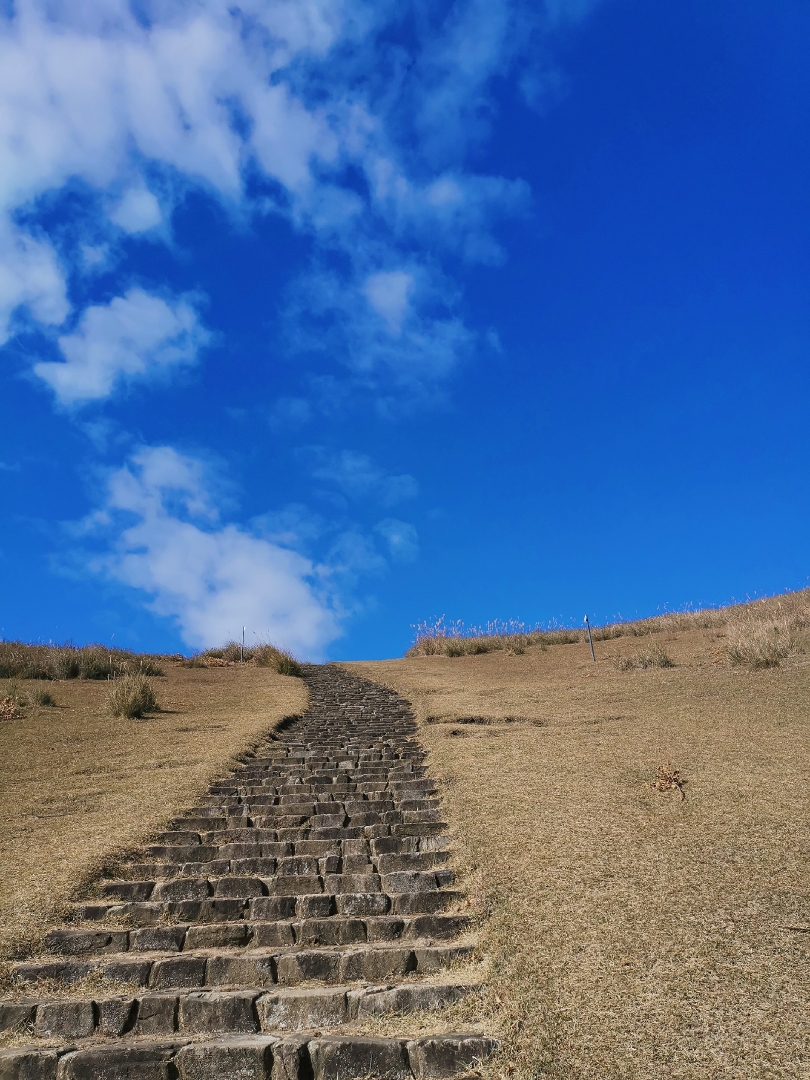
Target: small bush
<point>131,696</point>
<point>758,643</point>
<point>654,655</point>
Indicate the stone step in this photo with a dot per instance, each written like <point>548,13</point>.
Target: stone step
<point>253,967</point>
<point>260,862</point>
<point>270,908</point>
<point>329,930</point>
<point>296,883</point>
<point>255,1057</point>
<point>247,1010</point>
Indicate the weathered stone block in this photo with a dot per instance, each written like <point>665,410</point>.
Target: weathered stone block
<point>218,936</point>
<point>158,939</point>
<point>28,1064</point>
<point>338,1058</point>
<point>296,1010</point>
<point>309,965</point>
<point>227,1059</point>
<point>215,1011</point>
<point>447,1055</point>
<point>116,1016</point>
<point>182,889</point>
<point>153,1062</point>
<point>376,965</point>
<point>157,1014</point>
<point>65,1019</point>
<point>362,903</point>
<point>178,971</point>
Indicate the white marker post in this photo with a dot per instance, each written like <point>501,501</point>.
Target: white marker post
<point>590,639</point>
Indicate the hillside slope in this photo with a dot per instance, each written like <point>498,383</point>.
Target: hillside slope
<point>632,933</point>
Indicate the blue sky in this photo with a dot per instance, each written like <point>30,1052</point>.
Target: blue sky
<point>326,317</point>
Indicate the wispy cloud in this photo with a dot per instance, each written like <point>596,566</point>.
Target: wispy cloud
<point>357,476</point>
<point>135,336</point>
<point>401,537</point>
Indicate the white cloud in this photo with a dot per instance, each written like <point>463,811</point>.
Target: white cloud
<point>358,477</point>
<point>30,276</point>
<point>135,336</point>
<point>137,210</point>
<point>387,292</point>
<point>402,539</point>
<point>209,578</point>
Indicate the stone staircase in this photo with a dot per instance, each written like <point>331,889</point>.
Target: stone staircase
<point>276,930</point>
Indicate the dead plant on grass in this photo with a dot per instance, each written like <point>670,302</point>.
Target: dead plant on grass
<point>669,779</point>
<point>131,696</point>
<point>8,709</point>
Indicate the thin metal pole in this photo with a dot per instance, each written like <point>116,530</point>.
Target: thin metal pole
<point>590,639</point>
<point>242,650</point>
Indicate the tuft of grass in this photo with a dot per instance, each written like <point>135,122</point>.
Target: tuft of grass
<point>654,655</point>
<point>41,698</point>
<point>279,659</point>
<point>131,696</point>
<point>759,643</point>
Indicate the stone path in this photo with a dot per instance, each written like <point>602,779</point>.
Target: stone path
<point>308,894</point>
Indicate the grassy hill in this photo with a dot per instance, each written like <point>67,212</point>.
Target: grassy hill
<point>634,831</point>
<point>636,836</point>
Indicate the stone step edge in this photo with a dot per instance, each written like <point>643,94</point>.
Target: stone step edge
<point>258,1058</point>
<point>249,1010</point>
<point>328,965</point>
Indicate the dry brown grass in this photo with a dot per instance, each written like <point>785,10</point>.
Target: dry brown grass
<point>78,788</point>
<point>773,617</point>
<point>631,932</point>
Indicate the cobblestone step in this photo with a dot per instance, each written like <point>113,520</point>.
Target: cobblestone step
<point>333,930</point>
<point>254,1057</point>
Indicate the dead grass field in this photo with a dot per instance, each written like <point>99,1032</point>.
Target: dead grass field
<point>631,934</point>
<point>78,787</point>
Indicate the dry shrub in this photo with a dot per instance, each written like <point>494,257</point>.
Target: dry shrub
<point>654,655</point>
<point>132,696</point>
<point>760,643</point>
